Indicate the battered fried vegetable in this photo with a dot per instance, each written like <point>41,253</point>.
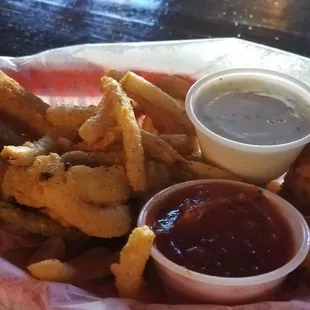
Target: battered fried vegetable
<point>129,271</point>
<point>33,222</point>
<point>100,185</point>
<point>156,98</point>
<point>25,155</point>
<point>23,105</point>
<point>125,117</point>
<point>45,184</point>
<point>92,159</point>
<point>296,186</point>
<point>73,116</point>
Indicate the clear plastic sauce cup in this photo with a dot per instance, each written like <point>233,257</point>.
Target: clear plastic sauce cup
<point>253,163</point>
<point>188,285</point>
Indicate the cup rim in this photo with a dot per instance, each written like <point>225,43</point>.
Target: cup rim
<point>287,79</point>
<point>294,262</point>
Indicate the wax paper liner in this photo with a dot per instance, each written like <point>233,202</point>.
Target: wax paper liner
<point>71,75</point>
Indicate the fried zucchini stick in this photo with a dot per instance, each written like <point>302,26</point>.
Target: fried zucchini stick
<point>25,106</point>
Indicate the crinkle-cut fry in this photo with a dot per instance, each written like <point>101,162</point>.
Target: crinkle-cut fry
<point>175,86</point>
<point>92,159</point>
<point>33,222</point>
<point>52,248</point>
<point>23,105</point>
<point>115,74</point>
<point>181,143</point>
<point>73,116</point>
<point>148,126</point>
<point>129,271</point>
<point>95,127</point>
<point>25,155</point>
<point>158,99</point>
<point>125,117</point>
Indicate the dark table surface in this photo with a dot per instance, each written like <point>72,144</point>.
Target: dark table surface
<point>29,26</point>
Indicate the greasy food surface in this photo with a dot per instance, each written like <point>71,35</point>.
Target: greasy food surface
<point>296,185</point>
<point>223,230</point>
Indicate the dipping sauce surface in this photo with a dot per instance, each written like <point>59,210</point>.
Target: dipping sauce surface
<point>253,118</point>
<point>223,230</point>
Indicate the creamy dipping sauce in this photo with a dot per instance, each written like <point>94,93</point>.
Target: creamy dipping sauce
<point>253,118</point>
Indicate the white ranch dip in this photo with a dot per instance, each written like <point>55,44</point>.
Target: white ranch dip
<point>255,118</point>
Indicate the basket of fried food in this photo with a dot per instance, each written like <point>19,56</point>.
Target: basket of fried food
<point>77,173</point>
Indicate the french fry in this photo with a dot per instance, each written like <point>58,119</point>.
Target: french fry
<point>23,156</point>
<point>147,125</point>
<point>23,105</point>
<point>95,127</point>
<point>93,264</point>
<point>175,86</point>
<point>124,115</point>
<point>129,271</point>
<point>157,148</point>
<point>73,116</point>
<point>181,143</point>
<point>52,270</point>
<point>52,248</point>
<point>154,97</point>
<point>115,74</point>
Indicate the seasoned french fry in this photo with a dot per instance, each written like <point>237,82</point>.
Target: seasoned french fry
<point>181,143</point>
<point>52,248</point>
<point>203,171</point>
<point>73,116</point>
<point>115,74</point>
<point>93,264</point>
<point>95,127</point>
<point>124,115</point>
<point>129,271</point>
<point>52,270</point>
<point>147,125</point>
<point>175,86</point>
<point>157,148</point>
<point>25,155</point>
<point>23,105</point>
<point>156,98</point>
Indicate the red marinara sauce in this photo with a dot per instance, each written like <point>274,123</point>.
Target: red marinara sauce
<point>223,230</point>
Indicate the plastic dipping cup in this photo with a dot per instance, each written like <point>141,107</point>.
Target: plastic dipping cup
<point>253,163</point>
<point>201,288</point>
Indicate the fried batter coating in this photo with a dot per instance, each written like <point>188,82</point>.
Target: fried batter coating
<point>125,117</point>
<point>33,222</point>
<point>92,159</point>
<point>95,127</point>
<point>100,185</point>
<point>26,107</point>
<point>129,271</point>
<point>25,155</point>
<point>73,116</point>
<point>46,184</point>
<point>296,185</point>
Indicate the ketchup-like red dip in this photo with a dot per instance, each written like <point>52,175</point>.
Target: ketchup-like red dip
<point>223,230</point>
